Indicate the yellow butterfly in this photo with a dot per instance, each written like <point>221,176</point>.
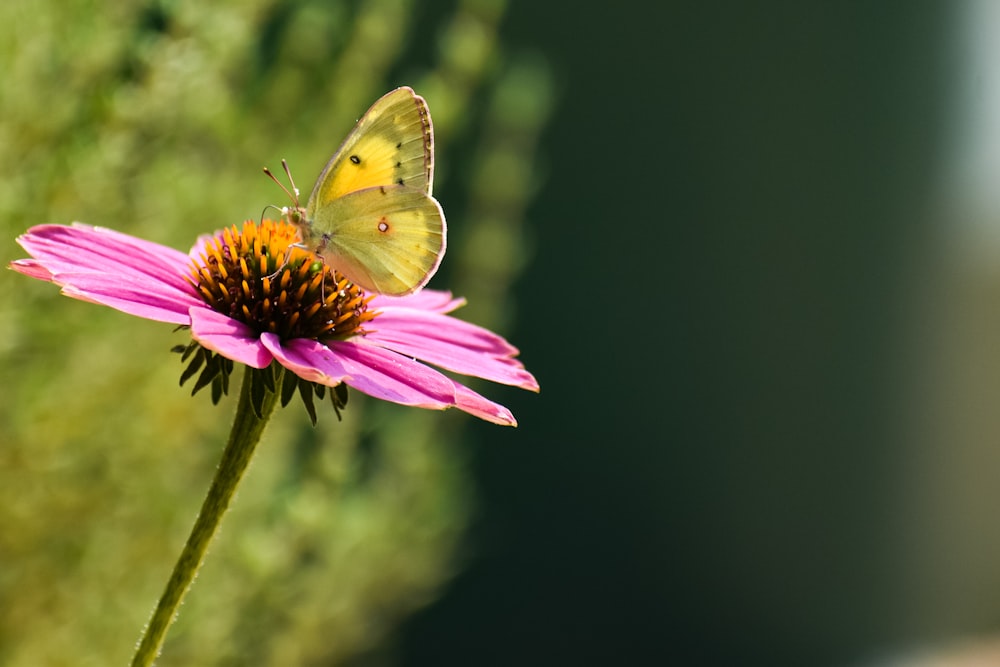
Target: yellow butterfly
<point>371,215</point>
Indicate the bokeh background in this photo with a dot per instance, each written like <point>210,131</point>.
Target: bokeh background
<point>750,250</point>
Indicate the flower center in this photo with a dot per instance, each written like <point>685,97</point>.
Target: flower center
<point>258,276</point>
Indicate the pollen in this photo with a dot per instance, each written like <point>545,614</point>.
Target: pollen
<point>261,276</point>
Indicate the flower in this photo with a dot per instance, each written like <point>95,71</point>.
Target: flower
<point>254,297</point>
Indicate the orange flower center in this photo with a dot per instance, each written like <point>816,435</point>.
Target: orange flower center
<point>259,276</point>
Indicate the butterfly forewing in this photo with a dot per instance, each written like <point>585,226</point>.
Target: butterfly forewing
<point>392,144</point>
<point>388,240</point>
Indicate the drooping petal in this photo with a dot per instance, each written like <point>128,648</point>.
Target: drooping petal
<point>452,344</point>
<point>479,406</point>
<point>309,359</point>
<point>384,374</point>
<point>233,340</point>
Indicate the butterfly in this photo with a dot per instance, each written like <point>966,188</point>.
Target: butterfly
<point>371,215</point>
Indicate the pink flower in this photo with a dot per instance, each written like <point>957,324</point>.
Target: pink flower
<point>252,297</point>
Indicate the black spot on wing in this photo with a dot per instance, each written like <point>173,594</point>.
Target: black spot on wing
<point>355,159</point>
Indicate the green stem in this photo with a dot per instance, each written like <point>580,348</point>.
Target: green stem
<point>247,429</point>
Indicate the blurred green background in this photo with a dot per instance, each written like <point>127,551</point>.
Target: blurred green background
<point>750,251</point>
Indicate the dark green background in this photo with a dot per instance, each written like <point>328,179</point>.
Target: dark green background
<point>724,243</point>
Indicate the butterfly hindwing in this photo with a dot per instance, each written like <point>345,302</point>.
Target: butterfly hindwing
<point>386,239</point>
<point>392,144</point>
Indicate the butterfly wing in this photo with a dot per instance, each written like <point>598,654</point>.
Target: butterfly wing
<point>387,239</point>
<point>392,144</point>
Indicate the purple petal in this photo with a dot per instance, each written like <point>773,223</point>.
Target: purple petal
<point>143,298</point>
<point>201,244</point>
<point>99,250</point>
<point>436,326</point>
<point>382,374</point>
<point>31,268</point>
<point>309,359</point>
<point>109,268</point>
<point>474,404</point>
<point>452,344</point>
<point>426,299</point>
<point>233,340</point>
<point>392,377</point>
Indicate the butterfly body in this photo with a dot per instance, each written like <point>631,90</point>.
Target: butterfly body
<point>371,215</point>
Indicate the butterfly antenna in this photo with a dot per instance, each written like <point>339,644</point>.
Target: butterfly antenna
<point>295,203</point>
<point>288,173</point>
<point>294,197</point>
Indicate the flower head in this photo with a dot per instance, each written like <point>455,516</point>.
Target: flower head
<point>252,296</point>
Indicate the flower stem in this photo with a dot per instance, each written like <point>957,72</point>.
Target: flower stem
<point>248,425</point>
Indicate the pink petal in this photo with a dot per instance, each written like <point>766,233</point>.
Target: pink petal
<point>116,270</point>
<point>233,340</point>
<point>382,374</point>
<point>481,407</point>
<point>31,268</point>
<point>200,245</point>
<point>436,326</point>
<point>143,298</point>
<point>452,344</point>
<point>309,359</point>
<point>425,299</point>
<point>392,377</point>
<point>99,250</point>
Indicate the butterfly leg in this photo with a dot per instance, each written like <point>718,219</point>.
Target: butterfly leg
<point>317,252</point>
<point>287,259</point>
